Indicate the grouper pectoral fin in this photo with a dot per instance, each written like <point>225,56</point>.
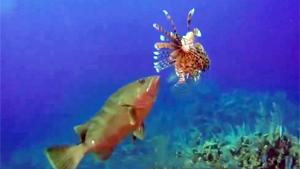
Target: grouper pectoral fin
<point>139,132</point>
<point>81,131</point>
<point>132,113</point>
<point>133,138</point>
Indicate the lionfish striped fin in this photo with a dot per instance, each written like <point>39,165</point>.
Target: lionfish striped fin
<point>197,32</point>
<point>169,35</point>
<point>164,45</point>
<point>162,54</point>
<point>163,60</point>
<point>199,47</point>
<point>189,18</point>
<point>162,38</point>
<point>169,18</point>
<point>162,64</point>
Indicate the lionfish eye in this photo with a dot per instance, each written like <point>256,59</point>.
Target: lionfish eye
<point>142,81</point>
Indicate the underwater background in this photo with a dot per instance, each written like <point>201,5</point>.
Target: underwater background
<point>61,59</point>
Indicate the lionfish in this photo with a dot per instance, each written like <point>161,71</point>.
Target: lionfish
<point>188,56</point>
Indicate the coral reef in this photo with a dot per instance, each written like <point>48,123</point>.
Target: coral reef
<point>202,127</point>
<point>273,150</point>
<point>215,130</point>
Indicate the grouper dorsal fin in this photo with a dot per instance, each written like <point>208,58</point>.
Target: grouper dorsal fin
<point>81,131</point>
<point>139,132</point>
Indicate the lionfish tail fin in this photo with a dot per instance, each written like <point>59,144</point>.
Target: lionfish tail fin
<point>189,18</point>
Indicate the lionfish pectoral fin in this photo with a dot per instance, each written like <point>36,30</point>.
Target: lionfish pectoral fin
<point>189,18</point>
<point>162,64</point>
<point>160,54</point>
<point>163,45</point>
<point>156,55</point>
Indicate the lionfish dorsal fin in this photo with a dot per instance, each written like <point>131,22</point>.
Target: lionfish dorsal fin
<point>197,32</point>
<point>170,19</point>
<point>169,35</point>
<point>189,18</point>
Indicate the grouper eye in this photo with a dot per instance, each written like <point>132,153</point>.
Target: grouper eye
<point>142,81</point>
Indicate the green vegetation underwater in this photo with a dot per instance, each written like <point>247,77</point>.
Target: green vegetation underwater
<point>62,59</point>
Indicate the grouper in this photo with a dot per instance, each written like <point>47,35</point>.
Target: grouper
<point>122,114</point>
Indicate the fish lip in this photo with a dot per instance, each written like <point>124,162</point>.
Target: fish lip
<point>153,85</point>
<point>156,80</point>
<point>154,77</point>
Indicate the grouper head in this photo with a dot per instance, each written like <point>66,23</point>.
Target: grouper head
<point>145,86</point>
<point>140,95</point>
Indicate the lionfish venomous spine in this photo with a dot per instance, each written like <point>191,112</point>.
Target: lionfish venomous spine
<point>188,56</point>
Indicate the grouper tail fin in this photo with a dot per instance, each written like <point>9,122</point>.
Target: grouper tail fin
<point>65,157</point>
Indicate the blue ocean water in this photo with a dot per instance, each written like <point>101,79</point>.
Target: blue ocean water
<point>61,59</point>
